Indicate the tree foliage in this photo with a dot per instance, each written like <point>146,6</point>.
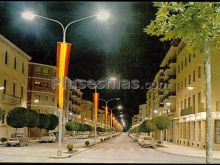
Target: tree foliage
<point>53,122</point>
<point>17,117</point>
<point>43,121</point>
<point>147,126</point>
<point>162,122</point>
<point>33,119</point>
<point>191,22</point>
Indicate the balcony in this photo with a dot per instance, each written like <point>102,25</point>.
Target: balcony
<point>171,77</point>
<point>186,111</point>
<point>10,99</point>
<point>171,94</point>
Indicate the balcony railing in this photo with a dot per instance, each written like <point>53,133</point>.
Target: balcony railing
<point>11,99</point>
<point>186,111</point>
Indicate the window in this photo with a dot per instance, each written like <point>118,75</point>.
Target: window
<point>189,102</point>
<point>182,66</point>
<point>44,84</point>
<point>194,55</point>
<point>194,75</point>
<point>199,72</point>
<point>184,103</point>
<point>5,86</point>
<point>14,89</point>
<point>45,71</point>
<point>15,63</point>
<point>22,90</point>
<point>37,97</point>
<point>189,82</point>
<point>6,57</point>
<point>194,103</point>
<point>46,98</point>
<point>37,83</point>
<point>217,131</point>
<point>22,69</point>
<point>38,69</point>
<point>185,82</point>
<point>185,61</point>
<point>189,57</point>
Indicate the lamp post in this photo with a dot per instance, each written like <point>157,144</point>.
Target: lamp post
<point>63,54</point>
<point>106,109</point>
<point>118,107</point>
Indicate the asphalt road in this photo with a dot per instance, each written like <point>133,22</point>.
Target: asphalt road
<point>120,149</point>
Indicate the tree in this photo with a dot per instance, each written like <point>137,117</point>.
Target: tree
<point>69,126</point>
<point>197,25</point>
<point>53,122</point>
<point>17,117</point>
<point>147,126</point>
<point>162,123</point>
<point>33,119</point>
<point>43,121</point>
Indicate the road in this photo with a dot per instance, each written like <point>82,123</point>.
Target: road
<point>120,149</point>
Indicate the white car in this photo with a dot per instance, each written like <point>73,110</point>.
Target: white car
<point>145,141</point>
<point>48,137</point>
<point>17,139</point>
<point>82,136</point>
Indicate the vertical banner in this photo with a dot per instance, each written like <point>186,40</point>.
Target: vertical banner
<point>63,55</point>
<point>111,120</point>
<point>96,104</point>
<point>106,116</point>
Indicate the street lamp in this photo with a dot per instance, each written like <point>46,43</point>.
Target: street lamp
<point>2,88</point>
<point>106,110</point>
<point>63,52</point>
<point>112,118</point>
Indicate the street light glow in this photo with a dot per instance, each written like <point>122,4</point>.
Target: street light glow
<point>103,15</point>
<point>119,107</point>
<point>168,103</point>
<point>190,88</point>
<point>2,88</point>
<point>28,15</point>
<point>36,101</point>
<point>113,78</point>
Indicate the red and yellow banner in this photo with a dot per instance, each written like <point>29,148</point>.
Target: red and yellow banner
<point>63,56</point>
<point>96,104</point>
<point>106,116</point>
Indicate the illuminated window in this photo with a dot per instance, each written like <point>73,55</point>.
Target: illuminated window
<point>37,83</point>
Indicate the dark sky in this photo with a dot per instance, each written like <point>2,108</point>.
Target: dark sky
<point>99,49</point>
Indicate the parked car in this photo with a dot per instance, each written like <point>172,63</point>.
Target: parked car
<point>145,141</point>
<point>17,139</point>
<point>48,137</point>
<point>82,135</point>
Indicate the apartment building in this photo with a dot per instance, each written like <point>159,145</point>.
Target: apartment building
<point>143,110</point>
<point>14,79</point>
<point>135,120</point>
<point>87,112</point>
<point>184,99</point>
<point>42,94</point>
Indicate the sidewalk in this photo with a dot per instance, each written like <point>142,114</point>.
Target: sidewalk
<point>186,151</point>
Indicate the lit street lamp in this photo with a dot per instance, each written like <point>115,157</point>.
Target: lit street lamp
<point>106,110</point>
<point>63,53</point>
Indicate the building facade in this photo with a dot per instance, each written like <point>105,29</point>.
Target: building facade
<point>14,79</point>
<point>42,95</point>
<point>183,97</point>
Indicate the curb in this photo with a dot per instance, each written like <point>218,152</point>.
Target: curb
<point>182,154</point>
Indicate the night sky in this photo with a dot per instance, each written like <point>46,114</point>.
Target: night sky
<point>117,47</point>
